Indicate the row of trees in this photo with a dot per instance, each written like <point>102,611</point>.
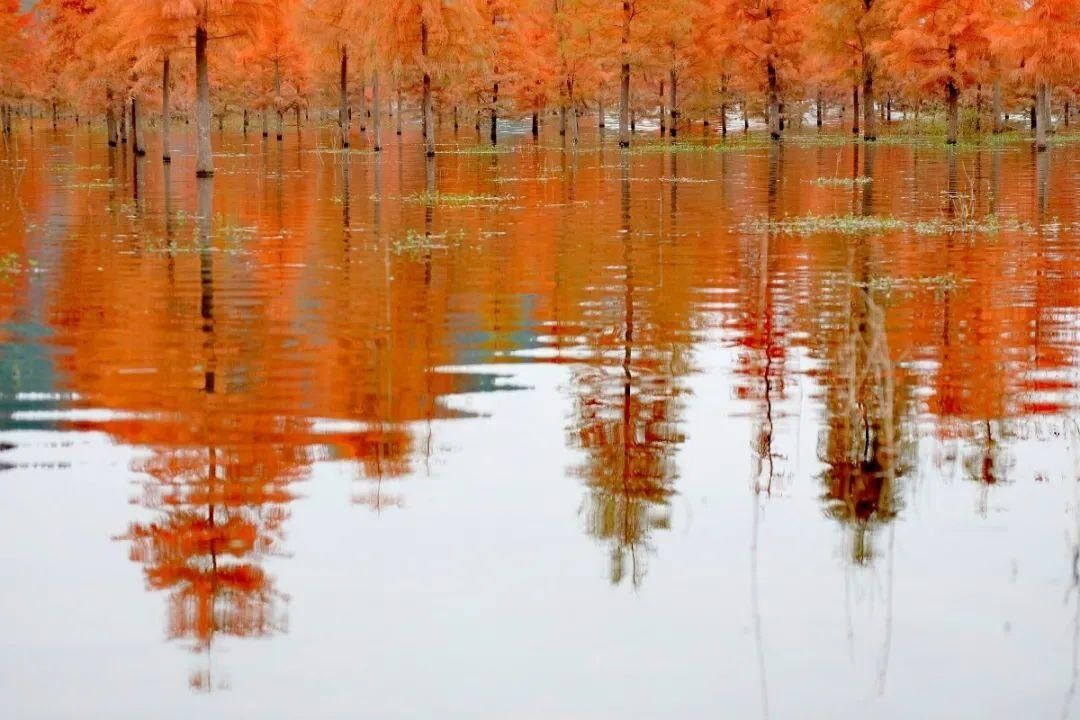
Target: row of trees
<point>781,59</point>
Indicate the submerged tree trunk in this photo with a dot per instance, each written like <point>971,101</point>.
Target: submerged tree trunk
<point>535,124</point>
<point>136,130</point>
<point>265,122</point>
<point>204,156</point>
<point>54,115</point>
<point>280,129</point>
<point>429,126</point>
<point>494,112</point>
<point>601,122</point>
<point>952,100</point>
<point>624,79</point>
<point>723,119</point>
<point>855,110</point>
<point>673,98</point>
<point>363,105</point>
<point>819,107</point>
<point>343,108</point>
<point>772,101</point>
<point>400,113</point>
<point>166,111</point>
<point>869,118</point>
<point>1042,115</point>
<point>999,121</point>
<point>376,117</point>
<point>110,117</point>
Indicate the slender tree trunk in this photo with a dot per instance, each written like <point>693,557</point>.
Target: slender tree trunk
<point>376,114</point>
<point>204,156</point>
<point>952,97</point>
<point>855,110</point>
<point>110,117</point>
<point>429,126</point>
<point>1042,113</point>
<point>535,124</point>
<point>624,79</point>
<point>400,113</point>
<point>265,122</point>
<point>494,112</point>
<point>819,106</point>
<point>136,130</point>
<point>54,115</point>
<point>869,120</point>
<point>999,125</point>
<point>772,101</point>
<point>166,112</point>
<point>343,109</point>
<point>363,104</point>
<point>280,129</point>
<point>123,124</point>
<point>601,122</point>
<point>247,122</point>
<point>723,119</point>
<point>673,101</point>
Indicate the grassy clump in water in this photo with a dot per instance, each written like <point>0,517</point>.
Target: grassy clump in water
<point>11,265</point>
<point>841,182</point>
<point>457,199</point>
<point>417,243</point>
<point>878,224</point>
<point>814,224</point>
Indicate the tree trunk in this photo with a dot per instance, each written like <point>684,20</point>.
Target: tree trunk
<point>123,124</point>
<point>624,79</point>
<point>54,115</point>
<point>429,126</point>
<point>855,110</point>
<point>363,104</point>
<point>136,130</point>
<point>535,124</point>
<point>999,124</point>
<point>204,155</point>
<point>1042,125</point>
<point>277,101</point>
<point>265,122</point>
<point>110,117</point>
<point>869,120</point>
<point>772,101</point>
<point>343,108</point>
<point>494,113</point>
<point>166,111</point>
<point>247,122</point>
<point>601,122</point>
<point>376,114</point>
<point>673,98</point>
<point>400,113</point>
<point>723,119</point>
<point>819,107</point>
<point>952,99</point>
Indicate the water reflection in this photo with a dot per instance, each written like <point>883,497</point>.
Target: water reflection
<point>308,309</point>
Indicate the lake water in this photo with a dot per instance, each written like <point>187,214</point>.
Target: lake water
<point>727,431</point>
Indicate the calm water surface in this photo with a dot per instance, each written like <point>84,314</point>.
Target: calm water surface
<point>539,434</point>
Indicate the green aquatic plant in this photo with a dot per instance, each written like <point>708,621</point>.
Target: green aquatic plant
<point>11,265</point>
<point>841,181</point>
<point>417,243</point>
<point>806,225</point>
<point>457,199</point>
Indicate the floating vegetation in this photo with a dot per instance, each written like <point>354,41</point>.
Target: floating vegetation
<point>109,184</point>
<point>841,182</point>
<point>878,224</point>
<point>478,150</point>
<point>416,243</point>
<point>939,283</point>
<point>11,265</point>
<point>457,199</point>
